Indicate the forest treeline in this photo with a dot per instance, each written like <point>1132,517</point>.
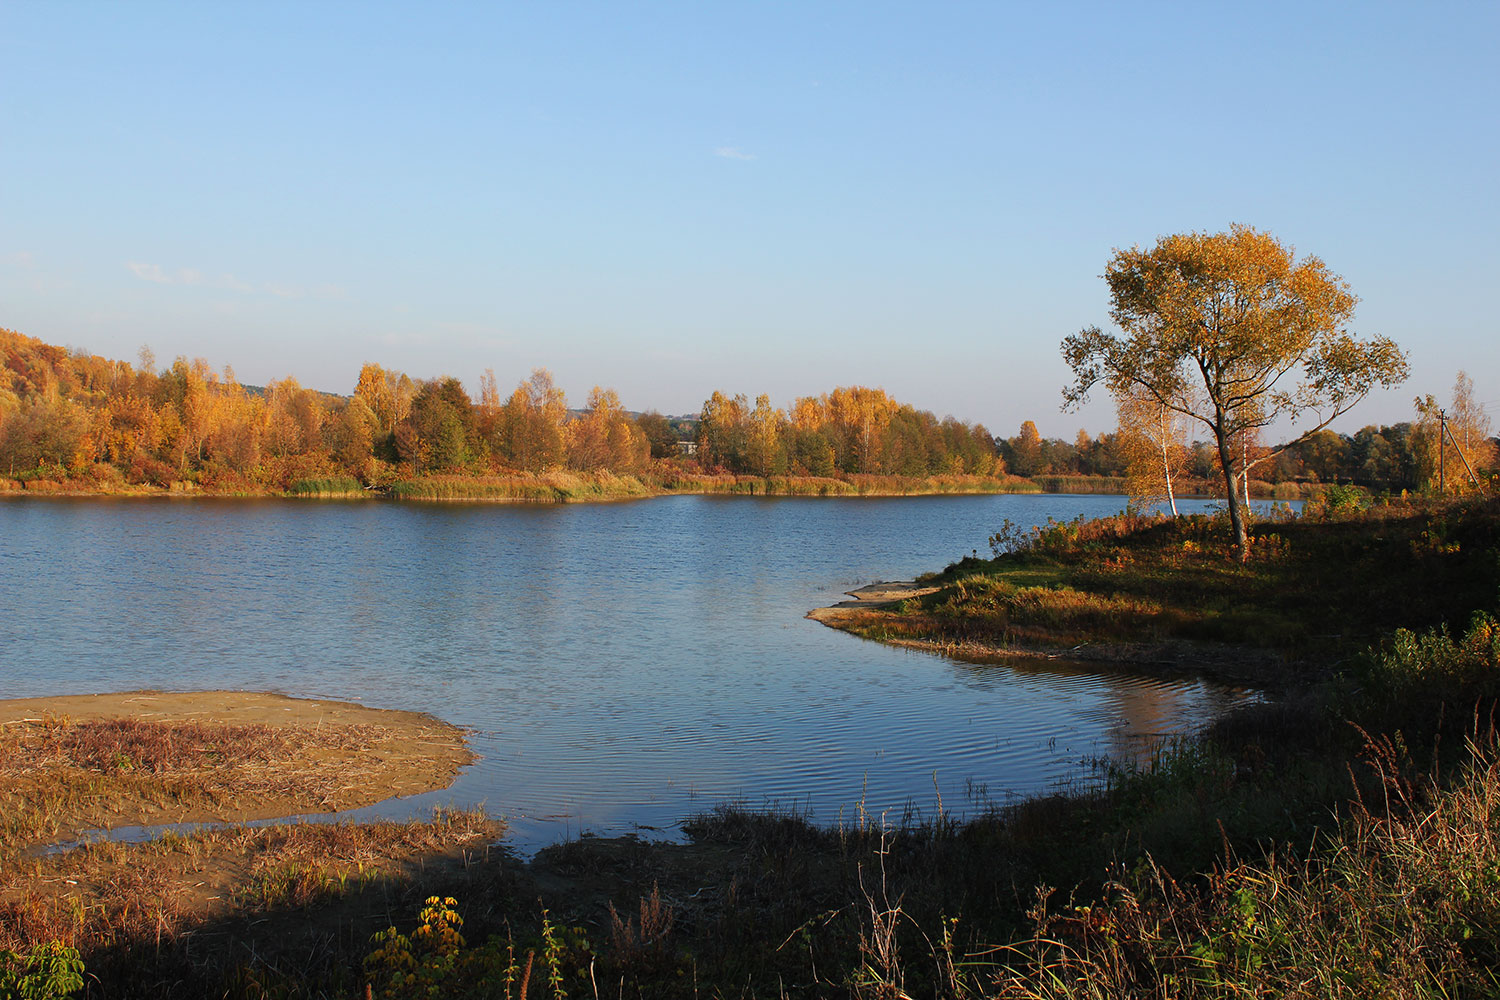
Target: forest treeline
<point>1383,459</point>
<point>66,414</point>
<point>69,415</point>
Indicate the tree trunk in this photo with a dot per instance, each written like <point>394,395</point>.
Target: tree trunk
<point>1166,461</point>
<point>1231,498</point>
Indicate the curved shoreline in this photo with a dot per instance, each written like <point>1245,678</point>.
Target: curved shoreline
<point>873,605</point>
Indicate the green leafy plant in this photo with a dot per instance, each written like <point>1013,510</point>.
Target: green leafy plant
<point>48,971</point>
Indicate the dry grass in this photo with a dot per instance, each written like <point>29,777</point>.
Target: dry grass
<point>199,897</point>
<point>1404,901</point>
<point>60,776</point>
<point>301,897</point>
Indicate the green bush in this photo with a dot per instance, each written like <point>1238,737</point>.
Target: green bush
<point>1433,663</point>
<point>48,972</point>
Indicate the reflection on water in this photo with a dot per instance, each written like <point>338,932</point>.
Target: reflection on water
<point>620,665</point>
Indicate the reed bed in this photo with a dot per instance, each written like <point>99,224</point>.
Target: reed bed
<point>326,486</point>
<point>550,487</point>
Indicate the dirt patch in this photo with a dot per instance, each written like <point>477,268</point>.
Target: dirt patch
<point>876,595</point>
<point>74,763</point>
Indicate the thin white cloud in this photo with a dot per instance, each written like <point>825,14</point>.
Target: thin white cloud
<point>150,272</point>
<point>733,153</point>
<point>21,258</point>
<point>192,277</point>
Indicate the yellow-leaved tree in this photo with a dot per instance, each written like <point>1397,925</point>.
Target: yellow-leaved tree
<point>1153,438</point>
<point>1234,333</point>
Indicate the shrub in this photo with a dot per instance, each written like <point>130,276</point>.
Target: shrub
<point>1435,664</point>
<point>47,972</point>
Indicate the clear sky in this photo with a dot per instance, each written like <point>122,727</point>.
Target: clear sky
<point>764,197</point>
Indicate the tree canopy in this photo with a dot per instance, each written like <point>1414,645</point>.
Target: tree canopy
<point>1230,330</point>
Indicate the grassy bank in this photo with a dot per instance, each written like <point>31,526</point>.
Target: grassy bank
<point>1341,839</point>
<point>1314,589</point>
<point>576,487</point>
<point>566,486</point>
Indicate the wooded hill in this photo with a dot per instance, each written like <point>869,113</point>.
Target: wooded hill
<point>69,416</point>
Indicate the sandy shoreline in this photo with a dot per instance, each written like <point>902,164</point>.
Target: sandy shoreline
<point>319,756</point>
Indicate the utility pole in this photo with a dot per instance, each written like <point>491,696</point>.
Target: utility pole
<point>1462,457</point>
<point>1442,432</point>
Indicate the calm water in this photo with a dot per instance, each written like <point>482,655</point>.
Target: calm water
<point>621,665</point>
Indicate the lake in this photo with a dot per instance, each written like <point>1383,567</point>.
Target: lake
<point>621,665</point>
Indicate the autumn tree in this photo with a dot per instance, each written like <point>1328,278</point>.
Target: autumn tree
<point>375,390</point>
<point>1026,450</point>
<point>388,394</point>
<point>45,429</point>
<point>487,413</point>
<point>723,431</point>
<point>185,391</point>
<point>530,429</point>
<point>436,434</point>
<point>1234,333</point>
<point>763,446</point>
<point>350,434</point>
<point>659,434</point>
<point>858,417</point>
<point>234,438</point>
<point>604,436</point>
<point>126,429</point>
<point>293,418</point>
<point>1153,438</point>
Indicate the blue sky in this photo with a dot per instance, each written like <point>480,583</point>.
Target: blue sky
<point>675,198</point>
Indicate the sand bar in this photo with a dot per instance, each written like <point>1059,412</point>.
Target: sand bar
<point>278,756</point>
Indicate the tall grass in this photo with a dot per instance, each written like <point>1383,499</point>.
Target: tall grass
<point>1080,484</point>
<point>858,484</point>
<point>567,487</point>
<point>1402,901</point>
<point>326,486</point>
<point>550,487</point>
